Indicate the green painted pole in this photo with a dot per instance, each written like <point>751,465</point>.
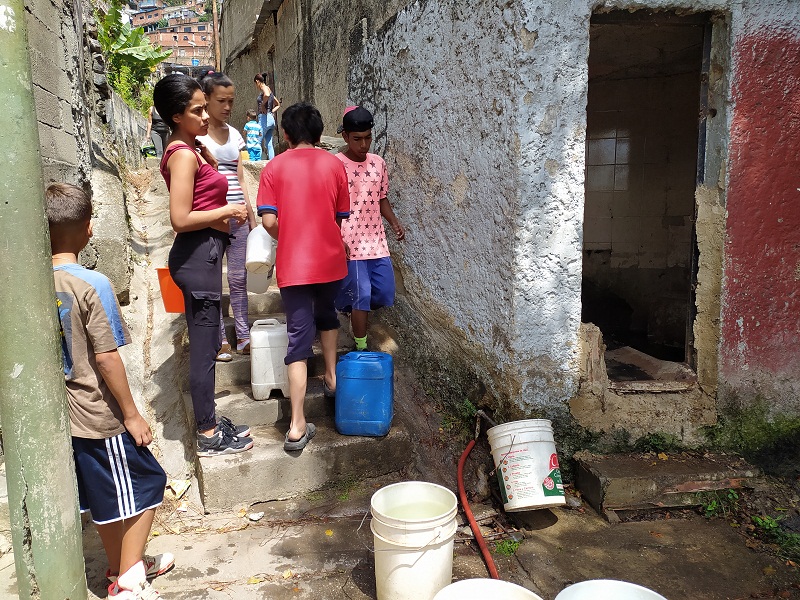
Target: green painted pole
<point>45,524</point>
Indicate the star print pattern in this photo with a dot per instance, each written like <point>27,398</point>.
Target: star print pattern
<point>363,231</point>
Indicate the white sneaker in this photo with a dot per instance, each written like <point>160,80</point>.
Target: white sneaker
<point>141,591</point>
<point>153,565</point>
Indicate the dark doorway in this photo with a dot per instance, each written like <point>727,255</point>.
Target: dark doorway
<point>645,88</point>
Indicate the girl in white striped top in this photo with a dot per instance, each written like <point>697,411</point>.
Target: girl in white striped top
<point>225,143</point>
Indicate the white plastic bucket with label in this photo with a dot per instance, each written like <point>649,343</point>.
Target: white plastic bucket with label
<point>413,525</point>
<point>481,589</point>
<point>526,464</point>
<point>607,589</point>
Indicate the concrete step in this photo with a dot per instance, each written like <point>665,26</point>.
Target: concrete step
<point>237,372</point>
<point>266,472</point>
<point>257,304</point>
<point>237,403</point>
<point>634,482</point>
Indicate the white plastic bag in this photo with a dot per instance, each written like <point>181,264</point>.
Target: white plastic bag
<point>260,254</point>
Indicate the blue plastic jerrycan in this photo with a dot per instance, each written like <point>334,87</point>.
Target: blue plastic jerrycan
<point>364,393</point>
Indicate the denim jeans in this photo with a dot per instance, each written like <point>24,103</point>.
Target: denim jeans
<point>267,123</point>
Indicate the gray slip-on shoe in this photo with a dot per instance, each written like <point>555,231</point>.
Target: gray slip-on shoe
<point>294,446</point>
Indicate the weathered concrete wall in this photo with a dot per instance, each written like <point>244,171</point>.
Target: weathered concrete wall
<point>481,116</point>
<point>85,131</point>
<point>536,113</point>
<point>761,305</point>
<point>459,199</point>
<point>313,41</point>
<point>55,35</point>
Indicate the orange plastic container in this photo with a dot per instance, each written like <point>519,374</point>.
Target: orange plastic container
<point>171,294</point>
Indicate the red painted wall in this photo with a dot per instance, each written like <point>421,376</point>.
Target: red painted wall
<point>761,297</point>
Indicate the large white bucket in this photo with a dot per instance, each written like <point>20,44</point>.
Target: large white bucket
<point>413,524</point>
<point>526,464</point>
<point>268,344</point>
<point>483,589</point>
<point>607,589</point>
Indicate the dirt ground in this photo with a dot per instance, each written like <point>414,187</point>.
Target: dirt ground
<point>715,551</point>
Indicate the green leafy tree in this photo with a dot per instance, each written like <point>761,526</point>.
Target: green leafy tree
<point>130,57</point>
<point>162,23</point>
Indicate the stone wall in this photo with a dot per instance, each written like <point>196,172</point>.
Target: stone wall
<point>85,131</point>
<point>55,34</point>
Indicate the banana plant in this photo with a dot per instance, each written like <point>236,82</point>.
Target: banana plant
<point>130,57</point>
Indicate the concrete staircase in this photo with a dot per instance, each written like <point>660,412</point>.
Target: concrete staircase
<point>267,472</point>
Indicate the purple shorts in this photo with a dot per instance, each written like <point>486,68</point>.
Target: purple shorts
<point>309,308</point>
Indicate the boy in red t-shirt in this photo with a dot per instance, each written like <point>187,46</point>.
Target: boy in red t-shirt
<point>302,199</point>
<point>370,279</point>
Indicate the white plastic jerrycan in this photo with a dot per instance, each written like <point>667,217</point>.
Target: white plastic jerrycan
<point>257,283</point>
<point>268,344</point>
<point>260,253</point>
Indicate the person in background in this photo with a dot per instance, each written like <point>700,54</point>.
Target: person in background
<point>267,105</point>
<point>302,198</point>
<point>119,480</point>
<point>201,216</point>
<point>157,131</point>
<point>253,135</point>
<point>370,277</point>
<point>225,144</point>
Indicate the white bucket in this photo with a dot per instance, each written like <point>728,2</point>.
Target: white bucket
<point>607,589</point>
<point>526,464</point>
<point>268,344</point>
<point>413,524</point>
<point>481,589</point>
<point>260,251</point>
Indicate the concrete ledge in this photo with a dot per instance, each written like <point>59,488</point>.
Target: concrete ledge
<point>268,473</point>
<point>645,481</point>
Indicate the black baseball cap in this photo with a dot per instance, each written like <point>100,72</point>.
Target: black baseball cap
<point>356,118</point>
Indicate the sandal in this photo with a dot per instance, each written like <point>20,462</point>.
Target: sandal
<point>327,392</point>
<point>296,445</point>
<point>243,346</point>
<point>224,354</point>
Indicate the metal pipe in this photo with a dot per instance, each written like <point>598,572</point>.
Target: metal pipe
<point>43,505</point>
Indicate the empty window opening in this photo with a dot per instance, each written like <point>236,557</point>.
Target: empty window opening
<point>641,165</point>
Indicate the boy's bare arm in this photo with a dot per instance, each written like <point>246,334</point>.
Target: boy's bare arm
<point>112,369</point>
<point>270,223</point>
<point>388,214</point>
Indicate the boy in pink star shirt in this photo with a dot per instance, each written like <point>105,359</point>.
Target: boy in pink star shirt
<point>370,278</point>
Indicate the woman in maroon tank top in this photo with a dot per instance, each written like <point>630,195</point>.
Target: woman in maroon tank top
<point>200,216</point>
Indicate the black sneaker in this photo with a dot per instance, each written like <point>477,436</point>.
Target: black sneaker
<point>226,425</point>
<point>221,443</point>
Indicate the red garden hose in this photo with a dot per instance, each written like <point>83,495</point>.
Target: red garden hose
<point>487,556</point>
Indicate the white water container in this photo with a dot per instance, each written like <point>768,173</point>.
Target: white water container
<point>260,253</point>
<point>268,344</point>
<point>607,589</point>
<point>413,525</point>
<point>526,464</point>
<point>480,589</point>
<point>257,283</point>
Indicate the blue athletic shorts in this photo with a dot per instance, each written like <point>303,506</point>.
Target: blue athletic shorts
<point>116,478</point>
<point>369,285</point>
